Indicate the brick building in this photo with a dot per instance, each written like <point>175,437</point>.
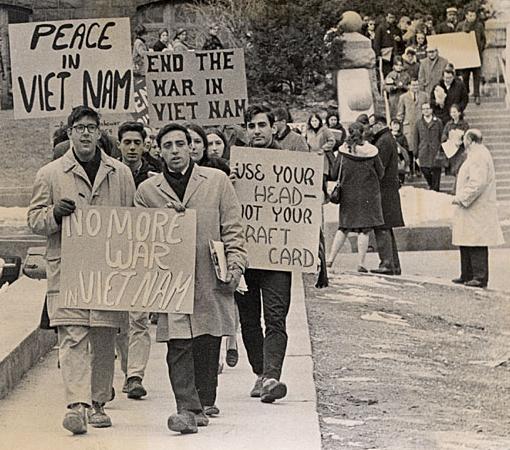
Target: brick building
<point>169,14</point>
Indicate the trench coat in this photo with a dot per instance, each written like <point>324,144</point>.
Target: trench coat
<point>389,183</point>
<point>211,194</point>
<point>431,73</point>
<point>408,112</point>
<point>475,221</point>
<point>66,178</point>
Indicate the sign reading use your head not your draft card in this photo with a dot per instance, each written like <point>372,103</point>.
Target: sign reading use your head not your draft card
<point>128,259</point>
<point>59,65</point>
<point>207,87</point>
<point>280,193</point>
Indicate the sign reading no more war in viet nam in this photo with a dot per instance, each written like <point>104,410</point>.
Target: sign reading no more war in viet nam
<point>207,87</point>
<point>280,193</point>
<point>128,259</point>
<point>59,65</point>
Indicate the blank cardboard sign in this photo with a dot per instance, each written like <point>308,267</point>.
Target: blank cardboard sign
<point>458,48</point>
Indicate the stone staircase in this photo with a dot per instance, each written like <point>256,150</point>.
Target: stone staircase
<point>492,117</point>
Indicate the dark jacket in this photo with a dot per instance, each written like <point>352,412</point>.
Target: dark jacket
<point>142,173</point>
<point>212,43</point>
<point>159,46</point>
<point>428,142</point>
<point>389,183</point>
<point>479,30</point>
<point>385,37</point>
<point>445,27</point>
<point>457,94</point>
<point>361,194</point>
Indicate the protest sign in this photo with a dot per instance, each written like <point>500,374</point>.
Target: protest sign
<point>128,259</point>
<point>281,198</point>
<point>460,49</point>
<point>59,65</point>
<point>207,87</point>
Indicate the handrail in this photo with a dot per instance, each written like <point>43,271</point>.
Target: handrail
<point>502,67</point>
<point>384,93</point>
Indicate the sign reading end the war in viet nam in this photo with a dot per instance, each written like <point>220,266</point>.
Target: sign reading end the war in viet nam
<point>59,65</point>
<point>128,259</point>
<point>207,87</point>
<point>280,195</point>
<point>460,49</point>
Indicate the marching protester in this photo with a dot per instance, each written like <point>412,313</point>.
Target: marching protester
<point>388,42</point>
<point>454,130</point>
<point>408,112</point>
<point>402,150</point>
<point>450,24</point>
<point>179,43</point>
<point>333,123</point>
<point>411,63</point>
<point>389,263</point>
<point>450,90</point>
<point>151,154</point>
<point>420,45</point>
<point>475,224</point>
<point>140,49</point>
<point>429,153</point>
<point>134,341</point>
<point>163,42</point>
<point>213,41</point>
<point>431,70</point>
<point>358,172</point>
<point>194,340</point>
<point>268,293</point>
<point>83,176</point>
<point>217,145</point>
<point>287,138</point>
<point>396,84</point>
<point>471,23</point>
<point>320,140</point>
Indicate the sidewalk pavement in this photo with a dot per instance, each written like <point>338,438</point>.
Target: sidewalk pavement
<point>31,416</point>
<point>435,266</point>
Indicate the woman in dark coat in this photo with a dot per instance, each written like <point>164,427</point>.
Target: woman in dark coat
<point>457,122</point>
<point>360,206</point>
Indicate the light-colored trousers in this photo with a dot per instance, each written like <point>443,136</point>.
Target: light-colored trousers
<point>87,361</point>
<point>134,344</point>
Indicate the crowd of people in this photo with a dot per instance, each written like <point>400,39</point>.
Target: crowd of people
<point>185,166</point>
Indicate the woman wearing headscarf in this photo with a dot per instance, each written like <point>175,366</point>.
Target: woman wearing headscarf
<point>360,211</point>
<point>179,43</point>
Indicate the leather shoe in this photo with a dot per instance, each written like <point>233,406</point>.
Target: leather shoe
<point>135,388</point>
<point>232,357</point>
<point>458,280</point>
<point>474,283</point>
<point>183,422</point>
<point>477,100</point>
<point>383,271</point>
<point>272,390</point>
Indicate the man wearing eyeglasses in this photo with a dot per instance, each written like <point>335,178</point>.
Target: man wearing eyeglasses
<point>83,176</point>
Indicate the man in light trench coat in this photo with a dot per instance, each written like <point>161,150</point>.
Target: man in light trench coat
<point>475,219</point>
<point>84,176</point>
<point>194,340</point>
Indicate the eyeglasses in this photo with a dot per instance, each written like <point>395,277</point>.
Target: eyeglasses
<point>91,127</point>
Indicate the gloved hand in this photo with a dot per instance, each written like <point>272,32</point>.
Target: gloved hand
<point>64,207</point>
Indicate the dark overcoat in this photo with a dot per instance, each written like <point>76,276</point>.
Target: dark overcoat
<point>390,198</point>
<point>360,205</point>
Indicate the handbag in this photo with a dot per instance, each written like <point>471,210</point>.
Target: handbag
<point>35,263</point>
<point>337,190</point>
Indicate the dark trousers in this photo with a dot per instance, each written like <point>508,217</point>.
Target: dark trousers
<point>476,79</point>
<point>193,369</point>
<point>474,264</point>
<point>387,249</point>
<point>269,289</point>
<point>433,177</point>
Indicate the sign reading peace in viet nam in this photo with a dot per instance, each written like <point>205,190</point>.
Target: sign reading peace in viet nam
<point>280,193</point>
<point>207,87</point>
<point>59,65</point>
<point>128,259</point>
